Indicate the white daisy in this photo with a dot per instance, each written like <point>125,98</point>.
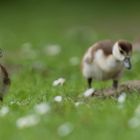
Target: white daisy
<point>4,111</point>
<point>78,103</point>
<point>59,81</point>
<point>42,108</point>
<point>122,98</point>
<point>27,121</point>
<point>89,92</point>
<point>58,98</point>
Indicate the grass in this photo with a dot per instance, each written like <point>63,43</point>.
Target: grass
<point>24,33</point>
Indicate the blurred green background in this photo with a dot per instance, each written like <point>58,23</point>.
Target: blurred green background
<point>27,28</point>
<point>42,21</point>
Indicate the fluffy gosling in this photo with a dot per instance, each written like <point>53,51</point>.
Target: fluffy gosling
<point>105,60</point>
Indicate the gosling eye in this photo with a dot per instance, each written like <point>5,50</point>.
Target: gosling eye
<point>122,52</point>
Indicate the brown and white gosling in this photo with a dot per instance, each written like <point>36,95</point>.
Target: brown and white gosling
<point>105,60</point>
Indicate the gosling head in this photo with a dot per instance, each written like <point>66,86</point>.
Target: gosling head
<point>122,51</point>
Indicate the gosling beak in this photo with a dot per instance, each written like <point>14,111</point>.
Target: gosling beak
<point>127,63</point>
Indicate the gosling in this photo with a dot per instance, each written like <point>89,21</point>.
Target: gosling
<point>106,60</point>
<point>4,82</point>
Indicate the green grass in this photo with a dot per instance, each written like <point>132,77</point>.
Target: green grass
<point>74,30</point>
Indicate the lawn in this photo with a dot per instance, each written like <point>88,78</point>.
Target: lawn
<point>43,41</point>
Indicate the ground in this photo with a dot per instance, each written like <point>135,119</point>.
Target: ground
<point>42,43</point>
